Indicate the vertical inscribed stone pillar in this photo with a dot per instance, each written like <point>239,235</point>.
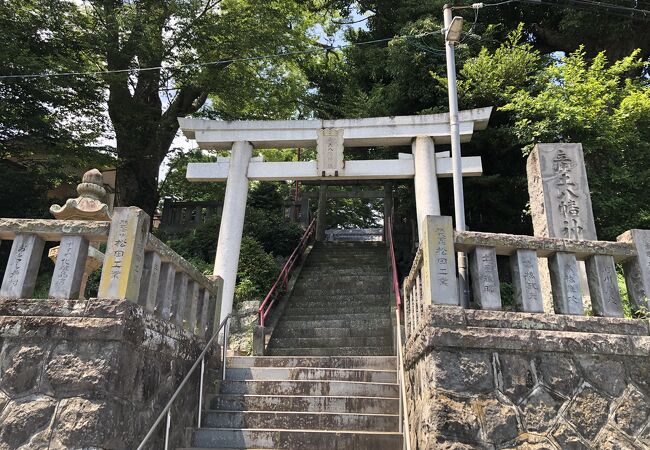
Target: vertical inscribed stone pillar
<point>439,262</point>
<point>485,278</point>
<point>560,200</point>
<point>526,282</point>
<point>124,259</point>
<point>427,201</point>
<point>565,278</point>
<point>637,270</point>
<point>603,286</point>
<point>232,222</point>
<point>69,268</point>
<point>22,267</point>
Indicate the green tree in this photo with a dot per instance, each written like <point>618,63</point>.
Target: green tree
<point>47,124</point>
<point>175,38</point>
<point>598,104</point>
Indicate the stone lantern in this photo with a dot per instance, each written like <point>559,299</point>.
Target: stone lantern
<point>88,206</point>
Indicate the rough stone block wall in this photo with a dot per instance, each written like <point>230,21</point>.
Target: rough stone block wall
<point>89,374</point>
<point>495,380</point>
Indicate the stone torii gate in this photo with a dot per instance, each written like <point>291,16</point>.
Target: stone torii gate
<point>330,138</point>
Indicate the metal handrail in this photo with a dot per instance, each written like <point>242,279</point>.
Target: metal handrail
<point>403,407</point>
<point>201,359</point>
<point>283,278</point>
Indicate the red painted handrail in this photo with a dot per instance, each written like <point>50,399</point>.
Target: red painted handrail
<point>393,264</point>
<point>282,282</point>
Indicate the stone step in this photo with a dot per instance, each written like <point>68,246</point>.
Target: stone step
<point>288,420</point>
<point>294,439</point>
<point>311,373</point>
<point>364,316</point>
<point>308,278</point>
<point>319,342</point>
<point>347,297</point>
<point>355,322</point>
<point>333,288</point>
<point>367,405</point>
<point>305,302</point>
<point>375,264</point>
<point>337,309</point>
<point>339,362</point>
<point>284,330</point>
<point>340,351</point>
<point>335,270</point>
<point>294,387</point>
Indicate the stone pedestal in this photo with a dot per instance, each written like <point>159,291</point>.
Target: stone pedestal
<point>501,380</point>
<point>92,374</point>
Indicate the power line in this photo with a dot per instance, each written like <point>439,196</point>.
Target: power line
<point>609,7</point>
<point>324,48</point>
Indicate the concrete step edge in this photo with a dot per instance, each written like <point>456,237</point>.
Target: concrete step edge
<point>249,380</point>
<point>323,413</point>
<point>393,433</point>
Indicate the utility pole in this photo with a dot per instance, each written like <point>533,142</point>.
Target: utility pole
<point>452,30</point>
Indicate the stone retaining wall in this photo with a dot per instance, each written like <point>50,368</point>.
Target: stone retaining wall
<point>497,380</point>
<point>89,374</point>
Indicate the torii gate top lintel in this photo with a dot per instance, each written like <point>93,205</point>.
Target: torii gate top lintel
<point>385,131</point>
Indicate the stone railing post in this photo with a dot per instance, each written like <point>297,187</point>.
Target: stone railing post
<point>22,268</point>
<point>124,259</point>
<point>439,262</point>
<point>637,270</point>
<point>526,281</point>
<point>149,282</point>
<point>68,276</point>
<point>485,278</point>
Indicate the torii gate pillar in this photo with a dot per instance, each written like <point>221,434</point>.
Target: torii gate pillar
<point>427,201</point>
<point>232,222</point>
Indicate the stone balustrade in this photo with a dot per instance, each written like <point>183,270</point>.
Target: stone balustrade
<point>136,267</point>
<point>432,279</point>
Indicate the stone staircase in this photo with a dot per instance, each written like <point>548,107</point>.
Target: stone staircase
<point>330,382</point>
<point>340,304</point>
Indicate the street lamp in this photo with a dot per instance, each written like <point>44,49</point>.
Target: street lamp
<point>452,30</point>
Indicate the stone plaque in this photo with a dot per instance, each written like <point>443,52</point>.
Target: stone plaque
<point>526,282</point>
<point>22,267</point>
<point>124,259</point>
<point>439,262</point>
<point>560,201</point>
<point>485,278</point>
<point>637,270</point>
<point>330,152</point>
<point>69,268</point>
